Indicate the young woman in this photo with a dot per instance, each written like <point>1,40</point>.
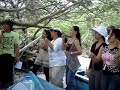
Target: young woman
<point>73,49</point>
<point>42,59</point>
<point>118,43</point>
<point>111,72</point>
<point>57,58</point>
<point>9,51</point>
<point>95,69</point>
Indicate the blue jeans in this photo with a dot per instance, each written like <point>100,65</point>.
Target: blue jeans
<point>70,79</point>
<point>110,82</point>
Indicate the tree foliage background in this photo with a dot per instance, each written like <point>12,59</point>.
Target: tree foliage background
<point>39,14</point>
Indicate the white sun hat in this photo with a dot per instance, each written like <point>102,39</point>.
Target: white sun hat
<point>101,30</point>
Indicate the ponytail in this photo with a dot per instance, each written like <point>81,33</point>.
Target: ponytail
<point>78,36</point>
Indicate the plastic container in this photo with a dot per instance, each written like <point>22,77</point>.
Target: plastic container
<point>28,83</point>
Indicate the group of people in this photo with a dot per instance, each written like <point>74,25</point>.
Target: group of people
<point>58,56</point>
<point>104,70</point>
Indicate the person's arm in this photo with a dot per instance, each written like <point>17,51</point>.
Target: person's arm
<point>43,45</point>
<point>51,45</point>
<point>57,44</point>
<point>92,50</point>
<point>48,43</point>
<point>97,58</point>
<point>63,42</point>
<point>16,46</point>
<point>1,34</point>
<point>117,57</point>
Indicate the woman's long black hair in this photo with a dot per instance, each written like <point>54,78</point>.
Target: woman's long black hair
<point>116,32</point>
<point>78,36</point>
<point>48,34</point>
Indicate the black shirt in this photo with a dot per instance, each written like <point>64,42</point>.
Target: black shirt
<point>111,69</point>
<point>99,65</point>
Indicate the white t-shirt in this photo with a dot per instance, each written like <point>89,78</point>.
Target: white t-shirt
<point>57,56</point>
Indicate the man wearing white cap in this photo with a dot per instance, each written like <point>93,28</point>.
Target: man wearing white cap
<point>96,66</point>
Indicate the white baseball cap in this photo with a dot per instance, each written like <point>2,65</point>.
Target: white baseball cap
<point>101,30</point>
<point>57,29</point>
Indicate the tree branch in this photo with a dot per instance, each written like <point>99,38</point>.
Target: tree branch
<point>27,25</point>
<point>40,28</point>
<point>56,13</point>
<point>14,10</point>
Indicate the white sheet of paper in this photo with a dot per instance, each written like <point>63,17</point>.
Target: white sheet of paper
<point>18,65</point>
<point>19,86</point>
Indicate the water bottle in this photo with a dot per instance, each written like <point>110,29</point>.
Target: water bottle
<point>29,84</point>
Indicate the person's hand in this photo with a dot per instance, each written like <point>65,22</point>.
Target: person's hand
<point>42,43</point>
<point>67,53</point>
<point>92,55</point>
<point>17,59</point>
<point>46,40</point>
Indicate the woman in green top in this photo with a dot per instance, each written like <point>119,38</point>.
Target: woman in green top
<point>9,51</point>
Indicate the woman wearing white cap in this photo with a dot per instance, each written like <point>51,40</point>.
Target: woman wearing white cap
<point>57,58</point>
<point>96,67</point>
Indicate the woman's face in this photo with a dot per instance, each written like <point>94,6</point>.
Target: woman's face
<point>97,35</point>
<point>112,38</point>
<point>44,34</point>
<point>72,32</point>
<point>53,34</point>
<point>118,43</point>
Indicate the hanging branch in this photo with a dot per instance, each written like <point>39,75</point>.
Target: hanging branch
<point>14,8</point>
